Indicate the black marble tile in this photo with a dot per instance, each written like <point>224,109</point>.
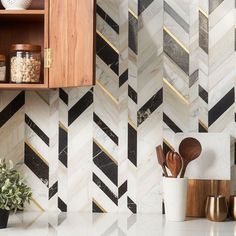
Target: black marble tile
<point>61,205</point>
<point>10,110</point>
<point>123,78</point>
<point>37,130</point>
<point>105,163</point>
<point>63,146</point>
<point>105,129</point>
<point>122,189</point>
<point>132,94</point>
<point>203,94</point>
<point>131,205</point>
<point>36,165</point>
<point>105,189</point>
<point>63,96</point>
<point>96,208</point>
<point>150,106</point>
<point>221,107</point>
<point>107,54</point>
<point>163,208</point>
<point>132,145</point>
<point>201,129</point>
<point>234,153</point>
<point>171,124</point>
<point>107,19</point>
<point>80,106</point>
<point>166,148</point>
<point>53,190</point>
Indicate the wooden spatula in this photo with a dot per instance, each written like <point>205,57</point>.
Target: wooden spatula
<point>174,163</point>
<point>161,159</point>
<point>189,150</point>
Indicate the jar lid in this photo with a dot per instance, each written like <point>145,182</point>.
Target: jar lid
<point>26,47</point>
<point>2,57</point>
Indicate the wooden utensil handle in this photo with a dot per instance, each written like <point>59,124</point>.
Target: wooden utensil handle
<point>183,171</point>
<point>165,171</point>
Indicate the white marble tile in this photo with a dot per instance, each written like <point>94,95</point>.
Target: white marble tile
<point>215,159</point>
<point>223,9</point>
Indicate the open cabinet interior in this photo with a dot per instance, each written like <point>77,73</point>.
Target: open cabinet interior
<point>64,29</point>
<point>24,27</point>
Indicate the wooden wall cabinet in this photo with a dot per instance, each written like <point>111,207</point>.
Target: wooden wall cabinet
<point>65,29</point>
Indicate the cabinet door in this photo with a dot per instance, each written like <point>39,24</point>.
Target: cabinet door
<point>71,39</point>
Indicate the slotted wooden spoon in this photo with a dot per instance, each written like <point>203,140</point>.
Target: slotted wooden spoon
<point>161,159</point>
<point>189,150</point>
<point>174,163</point>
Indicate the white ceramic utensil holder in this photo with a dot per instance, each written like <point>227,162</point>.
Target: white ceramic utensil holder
<point>175,198</point>
<point>16,4</point>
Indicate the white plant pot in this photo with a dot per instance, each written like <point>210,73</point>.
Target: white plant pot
<point>175,198</point>
<point>16,4</point>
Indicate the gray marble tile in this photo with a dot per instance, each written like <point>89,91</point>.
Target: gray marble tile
<point>168,9</point>
<point>213,4</point>
<point>203,32</point>
<point>176,52</point>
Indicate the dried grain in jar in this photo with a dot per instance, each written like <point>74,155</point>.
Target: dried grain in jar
<point>25,63</point>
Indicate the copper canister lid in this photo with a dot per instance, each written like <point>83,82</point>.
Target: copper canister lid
<point>26,47</point>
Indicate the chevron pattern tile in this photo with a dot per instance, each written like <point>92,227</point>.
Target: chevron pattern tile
<point>162,67</point>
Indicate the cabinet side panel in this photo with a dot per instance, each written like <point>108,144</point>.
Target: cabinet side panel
<point>71,36</point>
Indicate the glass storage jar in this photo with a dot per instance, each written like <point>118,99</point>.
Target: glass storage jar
<point>25,63</point>
<point>2,68</point>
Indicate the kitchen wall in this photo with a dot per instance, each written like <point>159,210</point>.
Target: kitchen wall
<point>162,67</point>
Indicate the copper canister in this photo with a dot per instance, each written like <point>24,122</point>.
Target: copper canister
<point>232,207</point>
<point>216,208</point>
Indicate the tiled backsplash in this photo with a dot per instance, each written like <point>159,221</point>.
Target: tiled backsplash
<point>162,67</point>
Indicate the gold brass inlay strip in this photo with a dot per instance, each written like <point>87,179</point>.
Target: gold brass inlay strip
<point>203,125</point>
<point>133,13</point>
<point>176,91</point>
<point>37,204</point>
<point>132,124</point>
<point>203,12</point>
<point>63,127</point>
<point>107,41</point>
<point>103,210</point>
<point>176,40</point>
<point>107,92</point>
<point>37,153</point>
<point>168,144</point>
<point>105,151</point>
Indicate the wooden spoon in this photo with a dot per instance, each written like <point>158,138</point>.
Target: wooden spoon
<point>189,150</point>
<point>174,163</point>
<point>161,159</point>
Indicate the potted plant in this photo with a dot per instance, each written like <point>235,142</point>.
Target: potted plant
<point>14,193</point>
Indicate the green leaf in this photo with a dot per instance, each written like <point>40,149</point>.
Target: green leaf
<point>14,192</point>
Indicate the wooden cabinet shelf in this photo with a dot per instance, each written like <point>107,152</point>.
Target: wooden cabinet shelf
<point>65,27</point>
<point>27,15</point>
<point>22,86</point>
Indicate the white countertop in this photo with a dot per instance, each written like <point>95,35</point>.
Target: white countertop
<point>53,224</point>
